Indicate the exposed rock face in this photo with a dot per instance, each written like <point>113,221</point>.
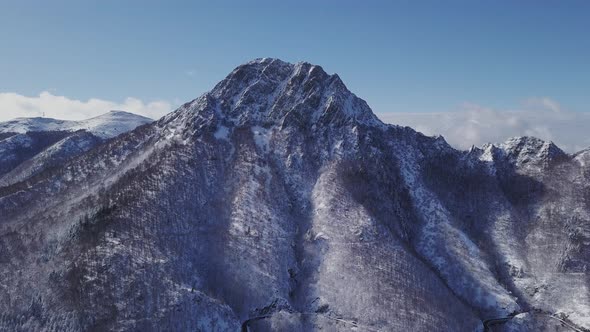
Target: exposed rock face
<point>278,201</point>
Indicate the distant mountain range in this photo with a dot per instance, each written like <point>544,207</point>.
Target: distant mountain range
<point>29,146</point>
<point>108,125</point>
<point>279,202</point>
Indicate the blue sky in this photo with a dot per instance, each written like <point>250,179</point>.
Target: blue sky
<point>400,56</point>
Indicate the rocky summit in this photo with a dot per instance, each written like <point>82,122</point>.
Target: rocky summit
<point>279,202</point>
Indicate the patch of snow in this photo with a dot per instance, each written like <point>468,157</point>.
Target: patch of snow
<point>261,138</point>
<point>222,132</point>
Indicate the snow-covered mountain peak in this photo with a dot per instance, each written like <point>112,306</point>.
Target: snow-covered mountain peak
<point>111,124</point>
<point>527,148</point>
<point>277,201</point>
<point>120,113</point>
<point>523,151</point>
<point>269,91</point>
<point>583,157</point>
<point>108,125</point>
<point>23,125</point>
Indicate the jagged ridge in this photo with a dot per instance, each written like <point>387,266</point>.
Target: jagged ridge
<point>280,195</point>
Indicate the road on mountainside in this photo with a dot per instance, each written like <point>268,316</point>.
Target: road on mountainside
<point>245,324</point>
<point>488,323</point>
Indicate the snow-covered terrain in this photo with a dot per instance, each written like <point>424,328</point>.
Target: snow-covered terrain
<point>30,145</point>
<point>107,125</point>
<point>279,202</point>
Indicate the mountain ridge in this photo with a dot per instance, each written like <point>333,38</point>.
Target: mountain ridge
<point>107,125</point>
<point>30,145</point>
<point>284,197</point>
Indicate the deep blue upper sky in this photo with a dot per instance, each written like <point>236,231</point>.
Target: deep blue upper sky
<point>398,55</point>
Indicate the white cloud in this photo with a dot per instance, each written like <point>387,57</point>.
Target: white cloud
<point>476,125</point>
<point>543,103</point>
<point>13,105</point>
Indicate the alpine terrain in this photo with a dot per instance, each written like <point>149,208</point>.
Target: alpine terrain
<point>30,145</point>
<point>279,202</point>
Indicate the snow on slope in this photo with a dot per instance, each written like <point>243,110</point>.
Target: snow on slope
<point>23,125</point>
<point>107,125</point>
<point>279,199</point>
<point>30,145</point>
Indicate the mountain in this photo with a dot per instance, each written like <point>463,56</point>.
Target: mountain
<point>30,145</point>
<point>104,126</point>
<point>279,201</point>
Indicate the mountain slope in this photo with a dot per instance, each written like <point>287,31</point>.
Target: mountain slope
<point>30,145</point>
<point>278,201</point>
<point>104,126</point>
